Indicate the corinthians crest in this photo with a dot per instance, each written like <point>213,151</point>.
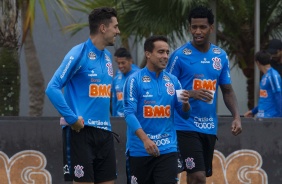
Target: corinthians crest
<point>91,55</point>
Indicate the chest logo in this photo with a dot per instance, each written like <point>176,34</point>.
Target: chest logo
<point>216,63</point>
<point>110,69</point>
<point>187,51</point>
<point>92,55</point>
<point>216,50</point>
<point>146,79</point>
<point>107,58</point>
<point>170,88</point>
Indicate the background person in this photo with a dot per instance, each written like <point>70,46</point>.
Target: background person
<point>86,75</point>
<point>149,103</point>
<point>124,61</point>
<point>275,49</point>
<point>201,67</point>
<point>270,101</point>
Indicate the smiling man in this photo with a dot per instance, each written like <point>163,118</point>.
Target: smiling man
<point>201,67</point>
<point>86,75</point>
<point>125,69</point>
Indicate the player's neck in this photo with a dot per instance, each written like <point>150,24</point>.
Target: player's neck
<point>202,47</point>
<point>98,42</point>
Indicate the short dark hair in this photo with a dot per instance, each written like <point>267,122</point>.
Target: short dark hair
<point>122,52</point>
<point>201,12</point>
<point>263,57</point>
<point>100,16</point>
<point>149,43</point>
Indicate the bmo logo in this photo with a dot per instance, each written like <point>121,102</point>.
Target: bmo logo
<point>157,111</point>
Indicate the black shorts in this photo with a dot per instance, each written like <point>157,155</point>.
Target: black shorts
<point>196,150</point>
<point>154,170</point>
<point>91,155</point>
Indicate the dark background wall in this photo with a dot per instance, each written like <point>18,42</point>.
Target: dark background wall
<point>27,143</point>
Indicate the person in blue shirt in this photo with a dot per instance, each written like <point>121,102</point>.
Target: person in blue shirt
<point>126,68</point>
<point>149,103</point>
<point>85,76</point>
<point>201,67</point>
<point>270,101</point>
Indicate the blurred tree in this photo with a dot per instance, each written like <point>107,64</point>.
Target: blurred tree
<point>17,20</point>
<point>234,32</point>
<point>9,58</point>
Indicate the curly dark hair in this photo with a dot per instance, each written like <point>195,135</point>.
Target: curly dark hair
<point>201,12</point>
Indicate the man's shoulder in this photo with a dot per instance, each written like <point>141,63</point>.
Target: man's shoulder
<point>217,50</point>
<point>182,48</point>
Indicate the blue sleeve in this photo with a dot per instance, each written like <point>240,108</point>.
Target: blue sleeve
<point>63,74</point>
<point>255,110</point>
<point>224,77</point>
<point>130,103</point>
<point>278,103</point>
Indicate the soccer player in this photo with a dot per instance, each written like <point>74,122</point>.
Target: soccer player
<point>125,66</point>
<point>201,67</point>
<point>86,76</point>
<point>149,103</point>
<point>269,104</point>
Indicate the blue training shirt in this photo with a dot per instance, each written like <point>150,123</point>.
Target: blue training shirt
<point>269,104</point>
<point>85,75</point>
<point>117,92</point>
<point>149,103</point>
<point>197,70</point>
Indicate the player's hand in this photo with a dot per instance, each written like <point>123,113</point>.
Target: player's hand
<point>151,148</point>
<point>184,96</point>
<point>236,127</point>
<point>201,94</point>
<point>248,114</point>
<point>78,125</point>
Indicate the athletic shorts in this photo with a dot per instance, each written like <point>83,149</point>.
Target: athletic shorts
<point>92,155</point>
<point>196,150</point>
<point>153,170</point>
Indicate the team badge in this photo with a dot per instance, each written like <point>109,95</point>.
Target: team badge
<point>166,78</point>
<point>92,55</point>
<point>216,50</point>
<point>146,79</point>
<point>187,51</point>
<point>170,88</point>
<point>110,68</point>
<point>78,171</point>
<point>107,58</point>
<point>190,164</point>
<point>216,63</point>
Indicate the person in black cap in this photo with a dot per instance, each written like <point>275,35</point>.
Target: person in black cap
<point>275,49</point>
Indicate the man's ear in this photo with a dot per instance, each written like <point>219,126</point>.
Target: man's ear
<point>147,54</point>
<point>102,28</point>
<point>212,28</point>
